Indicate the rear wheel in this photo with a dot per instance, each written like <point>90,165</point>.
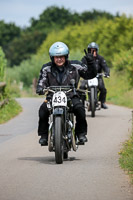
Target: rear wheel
<point>92,101</point>
<point>58,140</point>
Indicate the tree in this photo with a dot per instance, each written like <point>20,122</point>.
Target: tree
<point>23,47</point>
<point>7,33</point>
<point>95,14</point>
<point>52,18</point>
<point>19,44</point>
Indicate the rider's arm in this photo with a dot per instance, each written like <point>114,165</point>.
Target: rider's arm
<point>89,61</point>
<point>43,80</point>
<point>85,71</point>
<point>104,66</point>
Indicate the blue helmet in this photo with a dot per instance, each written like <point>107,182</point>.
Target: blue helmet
<point>58,49</point>
<point>93,45</point>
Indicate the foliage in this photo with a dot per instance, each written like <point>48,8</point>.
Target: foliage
<point>126,157</point>
<point>2,73</point>
<point>3,63</point>
<point>75,54</point>
<point>124,62</point>
<point>21,48</point>
<point>111,35</point>
<point>19,44</point>
<point>118,89</point>
<point>9,111</point>
<point>7,33</point>
<point>28,70</point>
<point>13,89</point>
<point>12,108</point>
<point>53,18</point>
<point>94,15</point>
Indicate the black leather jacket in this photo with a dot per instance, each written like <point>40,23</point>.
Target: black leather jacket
<point>51,75</point>
<point>101,64</point>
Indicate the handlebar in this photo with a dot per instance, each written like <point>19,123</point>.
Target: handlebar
<point>102,74</point>
<point>66,89</point>
<point>54,89</point>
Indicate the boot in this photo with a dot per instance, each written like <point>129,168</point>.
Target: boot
<point>82,138</point>
<point>43,140</point>
<point>103,105</point>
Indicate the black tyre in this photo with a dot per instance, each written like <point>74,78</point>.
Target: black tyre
<point>58,140</point>
<point>92,102</point>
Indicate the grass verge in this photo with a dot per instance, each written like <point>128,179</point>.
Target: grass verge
<point>119,93</point>
<point>118,90</point>
<point>126,157</point>
<point>10,110</point>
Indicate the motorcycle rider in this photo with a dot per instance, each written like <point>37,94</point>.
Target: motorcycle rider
<point>101,66</point>
<point>60,71</point>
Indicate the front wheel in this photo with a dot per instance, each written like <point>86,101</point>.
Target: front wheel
<point>58,140</point>
<point>92,101</point>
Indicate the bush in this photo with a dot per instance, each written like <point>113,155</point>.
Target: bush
<point>124,62</point>
<point>112,36</point>
<point>9,111</point>
<point>3,63</point>
<point>118,89</point>
<point>27,71</point>
<point>126,157</point>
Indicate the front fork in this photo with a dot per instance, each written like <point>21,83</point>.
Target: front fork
<point>68,135</point>
<point>95,95</point>
<point>56,111</point>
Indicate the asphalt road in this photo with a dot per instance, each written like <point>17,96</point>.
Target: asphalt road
<point>28,171</point>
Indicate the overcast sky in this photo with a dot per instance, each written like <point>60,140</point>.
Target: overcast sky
<point>21,11</point>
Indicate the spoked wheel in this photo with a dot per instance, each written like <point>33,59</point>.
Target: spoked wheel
<point>92,102</point>
<point>50,137</point>
<point>58,140</point>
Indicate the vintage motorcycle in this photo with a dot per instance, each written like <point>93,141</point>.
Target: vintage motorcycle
<point>61,136</point>
<point>92,86</point>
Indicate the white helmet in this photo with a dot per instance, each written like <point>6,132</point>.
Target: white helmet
<point>58,49</point>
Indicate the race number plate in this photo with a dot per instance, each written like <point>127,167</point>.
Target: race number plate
<point>59,99</point>
<point>93,82</point>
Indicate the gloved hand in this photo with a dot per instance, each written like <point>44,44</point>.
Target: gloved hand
<point>39,90</point>
<point>89,57</point>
